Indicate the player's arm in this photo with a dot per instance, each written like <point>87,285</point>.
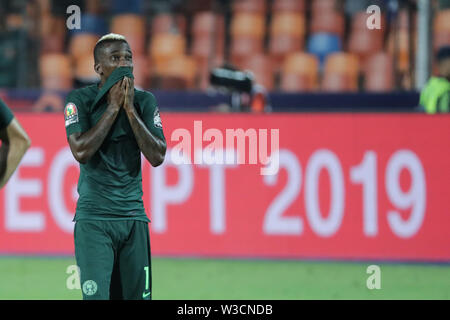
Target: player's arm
<point>152,146</point>
<point>84,144</point>
<point>15,142</point>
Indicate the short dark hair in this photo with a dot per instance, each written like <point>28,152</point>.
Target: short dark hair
<point>443,53</point>
<point>104,41</point>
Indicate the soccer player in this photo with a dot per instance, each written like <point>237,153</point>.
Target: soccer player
<point>15,143</point>
<point>108,125</point>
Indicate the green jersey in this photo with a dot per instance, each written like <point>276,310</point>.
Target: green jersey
<point>5,115</point>
<point>110,183</point>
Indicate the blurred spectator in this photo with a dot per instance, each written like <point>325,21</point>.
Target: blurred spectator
<point>435,97</point>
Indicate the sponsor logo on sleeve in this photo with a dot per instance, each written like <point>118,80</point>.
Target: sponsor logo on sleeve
<point>157,119</point>
<point>70,114</point>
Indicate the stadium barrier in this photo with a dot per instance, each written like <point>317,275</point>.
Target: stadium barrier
<point>349,186</point>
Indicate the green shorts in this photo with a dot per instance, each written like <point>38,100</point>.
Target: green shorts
<point>114,259</point>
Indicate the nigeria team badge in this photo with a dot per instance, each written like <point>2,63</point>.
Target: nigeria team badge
<point>89,287</point>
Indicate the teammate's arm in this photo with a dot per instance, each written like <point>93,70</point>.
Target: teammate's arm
<point>153,148</point>
<point>15,143</point>
<point>84,145</point>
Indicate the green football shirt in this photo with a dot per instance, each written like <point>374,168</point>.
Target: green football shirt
<point>6,115</point>
<point>110,183</point>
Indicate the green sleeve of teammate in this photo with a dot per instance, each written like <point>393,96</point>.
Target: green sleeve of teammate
<point>75,115</point>
<point>151,117</point>
<point>444,103</point>
<point>5,115</point>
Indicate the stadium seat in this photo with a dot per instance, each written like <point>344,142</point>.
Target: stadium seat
<point>84,69</point>
<point>203,22</point>
<point>166,23</point>
<point>299,73</point>
<point>248,24</point>
<point>82,44</point>
<point>133,28</point>
<point>365,43</point>
<point>287,33</point>
<point>262,68</point>
<point>52,34</point>
<point>164,46</point>
<point>400,42</point>
<point>442,21</point>
<point>141,71</point>
<point>322,6</point>
<point>244,46</point>
<point>323,44</point>
<point>287,23</point>
<point>441,29</point>
<point>294,6</point>
<point>341,73</point>
<point>252,6</point>
<point>379,72</point>
<point>328,22</point>
<point>208,32</point>
<point>56,71</point>
<point>180,67</point>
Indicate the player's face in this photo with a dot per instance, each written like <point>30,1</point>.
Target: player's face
<point>114,55</point>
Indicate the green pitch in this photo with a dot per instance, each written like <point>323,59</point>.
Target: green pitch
<point>45,278</point>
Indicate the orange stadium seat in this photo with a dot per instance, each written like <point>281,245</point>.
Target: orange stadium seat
<point>379,72</point>
<point>341,73</point>
<point>164,23</point>
<point>365,43</point>
<point>244,46</point>
<point>52,33</point>
<point>248,24</point>
<point>181,67</point>
<point>295,6</point>
<point>56,71</point>
<point>253,6</point>
<point>164,46</point>
<point>441,29</point>
<point>133,28</point>
<point>401,40</point>
<point>141,71</point>
<point>299,73</point>
<point>84,69</point>
<point>208,30</point>
<point>442,21</point>
<point>322,6</point>
<point>290,23</point>
<point>287,34</point>
<point>329,22</point>
<point>82,44</point>
<point>262,68</point>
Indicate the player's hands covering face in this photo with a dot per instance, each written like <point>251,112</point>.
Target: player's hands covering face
<point>116,95</point>
<point>129,92</point>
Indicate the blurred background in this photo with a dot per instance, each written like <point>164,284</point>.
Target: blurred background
<point>290,46</point>
<point>363,176</point>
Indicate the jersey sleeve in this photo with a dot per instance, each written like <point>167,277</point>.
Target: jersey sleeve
<point>6,115</point>
<point>75,117</point>
<point>151,116</point>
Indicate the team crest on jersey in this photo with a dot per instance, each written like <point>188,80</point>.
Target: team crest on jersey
<point>157,119</point>
<point>70,114</point>
<point>89,287</point>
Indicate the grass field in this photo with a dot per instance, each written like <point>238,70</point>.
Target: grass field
<point>173,278</point>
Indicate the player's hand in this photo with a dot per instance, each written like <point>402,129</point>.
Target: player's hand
<point>116,95</point>
<point>129,93</point>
